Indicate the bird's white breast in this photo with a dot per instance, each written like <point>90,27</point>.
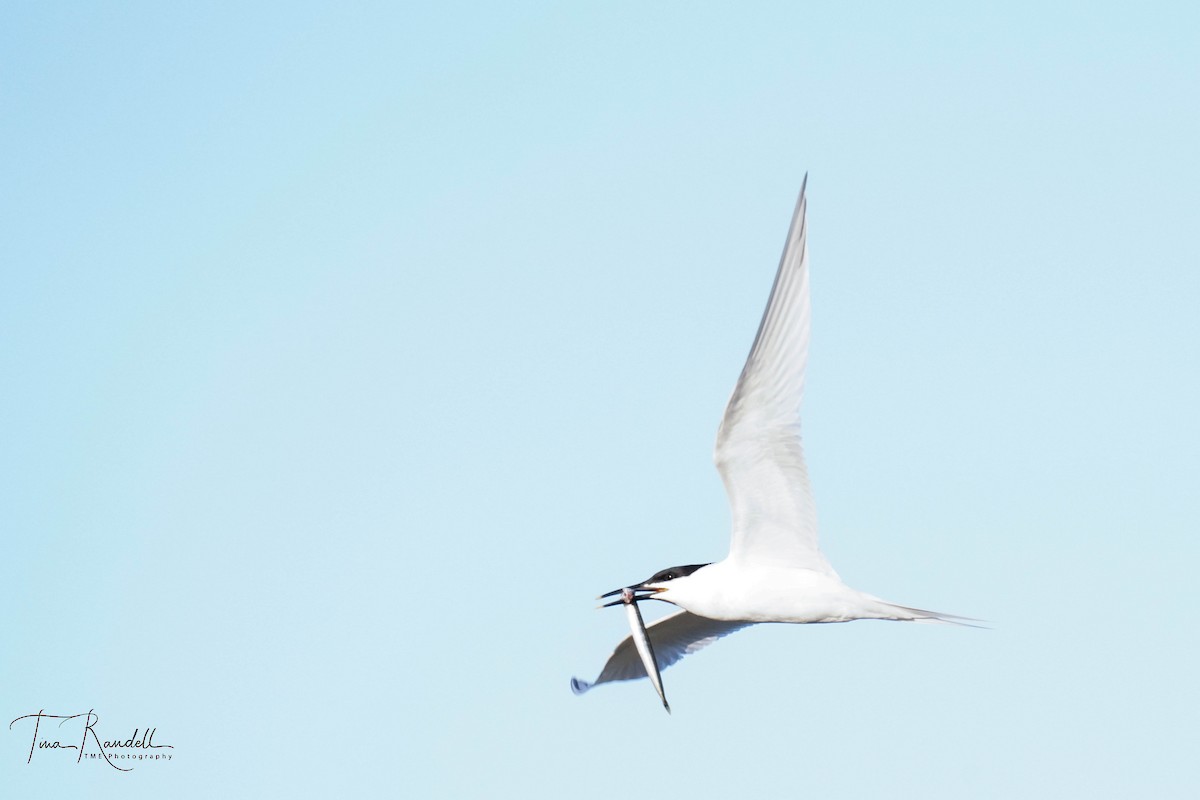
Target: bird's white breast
<point>729,590</point>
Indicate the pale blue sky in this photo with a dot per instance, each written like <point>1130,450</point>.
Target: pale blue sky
<point>350,350</point>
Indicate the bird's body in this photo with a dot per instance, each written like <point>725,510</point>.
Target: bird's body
<point>733,591</point>
<point>775,572</point>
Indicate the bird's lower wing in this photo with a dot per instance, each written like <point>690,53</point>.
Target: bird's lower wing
<point>673,638</point>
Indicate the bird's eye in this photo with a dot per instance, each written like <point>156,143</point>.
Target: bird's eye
<point>670,576</point>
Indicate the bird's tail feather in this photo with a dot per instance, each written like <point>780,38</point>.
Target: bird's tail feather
<point>909,614</point>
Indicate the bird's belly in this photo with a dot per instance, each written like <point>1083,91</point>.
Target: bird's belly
<point>782,595</point>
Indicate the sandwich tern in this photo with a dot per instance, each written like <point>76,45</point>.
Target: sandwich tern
<point>775,572</point>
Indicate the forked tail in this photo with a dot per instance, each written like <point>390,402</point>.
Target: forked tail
<point>908,614</point>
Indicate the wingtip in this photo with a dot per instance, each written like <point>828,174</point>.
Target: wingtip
<point>578,686</point>
<point>801,203</point>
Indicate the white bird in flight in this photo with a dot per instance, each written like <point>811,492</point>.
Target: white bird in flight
<point>775,572</point>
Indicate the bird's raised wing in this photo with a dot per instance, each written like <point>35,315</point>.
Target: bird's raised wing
<point>673,637</point>
<point>758,449</point>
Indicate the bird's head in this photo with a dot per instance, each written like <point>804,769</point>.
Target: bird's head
<point>658,586</point>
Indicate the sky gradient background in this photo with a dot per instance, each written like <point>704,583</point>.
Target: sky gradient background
<point>349,351</point>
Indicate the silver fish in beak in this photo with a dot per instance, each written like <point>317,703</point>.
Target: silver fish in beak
<point>641,641</point>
